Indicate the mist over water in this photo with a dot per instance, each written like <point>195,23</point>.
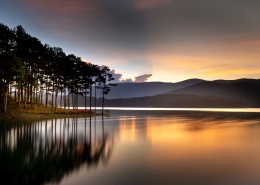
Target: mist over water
<point>244,110</point>
<point>134,147</point>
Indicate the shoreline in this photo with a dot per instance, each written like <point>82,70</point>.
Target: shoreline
<point>31,117</point>
<point>35,113</point>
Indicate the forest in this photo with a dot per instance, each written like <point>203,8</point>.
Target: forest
<point>32,73</point>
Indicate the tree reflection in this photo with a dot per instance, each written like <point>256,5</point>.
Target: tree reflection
<point>48,150</point>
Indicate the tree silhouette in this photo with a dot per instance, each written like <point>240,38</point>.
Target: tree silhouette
<point>104,83</point>
<point>34,71</point>
<point>11,69</point>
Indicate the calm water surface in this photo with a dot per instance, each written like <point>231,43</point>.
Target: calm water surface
<point>134,147</point>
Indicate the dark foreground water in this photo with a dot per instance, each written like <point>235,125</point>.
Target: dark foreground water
<point>129,147</point>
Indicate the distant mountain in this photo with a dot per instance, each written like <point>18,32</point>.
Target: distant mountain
<point>129,90</point>
<point>175,101</point>
<point>246,92</point>
<point>239,80</point>
<point>189,93</point>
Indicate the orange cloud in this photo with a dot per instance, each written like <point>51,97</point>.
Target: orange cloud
<point>248,43</point>
<point>232,72</point>
<point>232,36</point>
<point>148,4</point>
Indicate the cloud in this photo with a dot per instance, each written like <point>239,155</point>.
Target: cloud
<point>64,19</point>
<point>117,76</point>
<point>138,79</point>
<point>143,78</point>
<point>149,4</point>
<point>128,80</point>
<point>76,7</point>
<point>249,43</point>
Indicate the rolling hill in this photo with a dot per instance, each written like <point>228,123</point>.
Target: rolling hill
<point>193,93</point>
<point>175,101</point>
<point>246,92</point>
<point>129,90</point>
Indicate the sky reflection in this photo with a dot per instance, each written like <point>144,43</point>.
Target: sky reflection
<point>134,149</point>
<point>191,151</point>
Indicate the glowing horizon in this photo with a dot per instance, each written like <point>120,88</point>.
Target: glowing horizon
<point>169,40</point>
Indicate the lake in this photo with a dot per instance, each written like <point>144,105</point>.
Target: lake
<point>134,147</point>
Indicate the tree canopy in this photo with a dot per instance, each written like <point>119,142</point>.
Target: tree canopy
<point>32,72</point>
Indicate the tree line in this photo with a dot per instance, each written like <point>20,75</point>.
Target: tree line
<point>36,73</point>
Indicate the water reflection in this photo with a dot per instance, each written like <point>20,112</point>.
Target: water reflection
<point>185,149</point>
<point>48,150</point>
<point>148,148</point>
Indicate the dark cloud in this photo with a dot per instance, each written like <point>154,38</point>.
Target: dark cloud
<point>127,23</point>
<point>148,4</point>
<point>143,78</point>
<point>203,20</point>
<point>92,24</point>
<point>103,26</point>
<point>64,8</point>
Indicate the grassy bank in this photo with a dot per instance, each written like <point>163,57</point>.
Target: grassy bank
<point>34,112</point>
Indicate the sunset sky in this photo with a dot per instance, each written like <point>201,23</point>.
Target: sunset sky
<point>154,40</point>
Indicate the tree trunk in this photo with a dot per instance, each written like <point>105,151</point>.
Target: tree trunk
<point>61,98</point>
<point>41,95</point>
<point>90,97</point>
<point>28,91</point>
<point>31,93</point>
<point>95,98</point>
<point>46,97</point>
<point>76,101</point>
<point>19,95</point>
<point>103,102</point>
<point>10,91</point>
<point>72,101</point>
<point>15,94</point>
<point>56,97</point>
<point>25,95</point>
<point>52,96</point>
<point>6,98</point>
<point>34,95</point>
<point>68,100</point>
<point>85,99</point>
<point>65,94</point>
